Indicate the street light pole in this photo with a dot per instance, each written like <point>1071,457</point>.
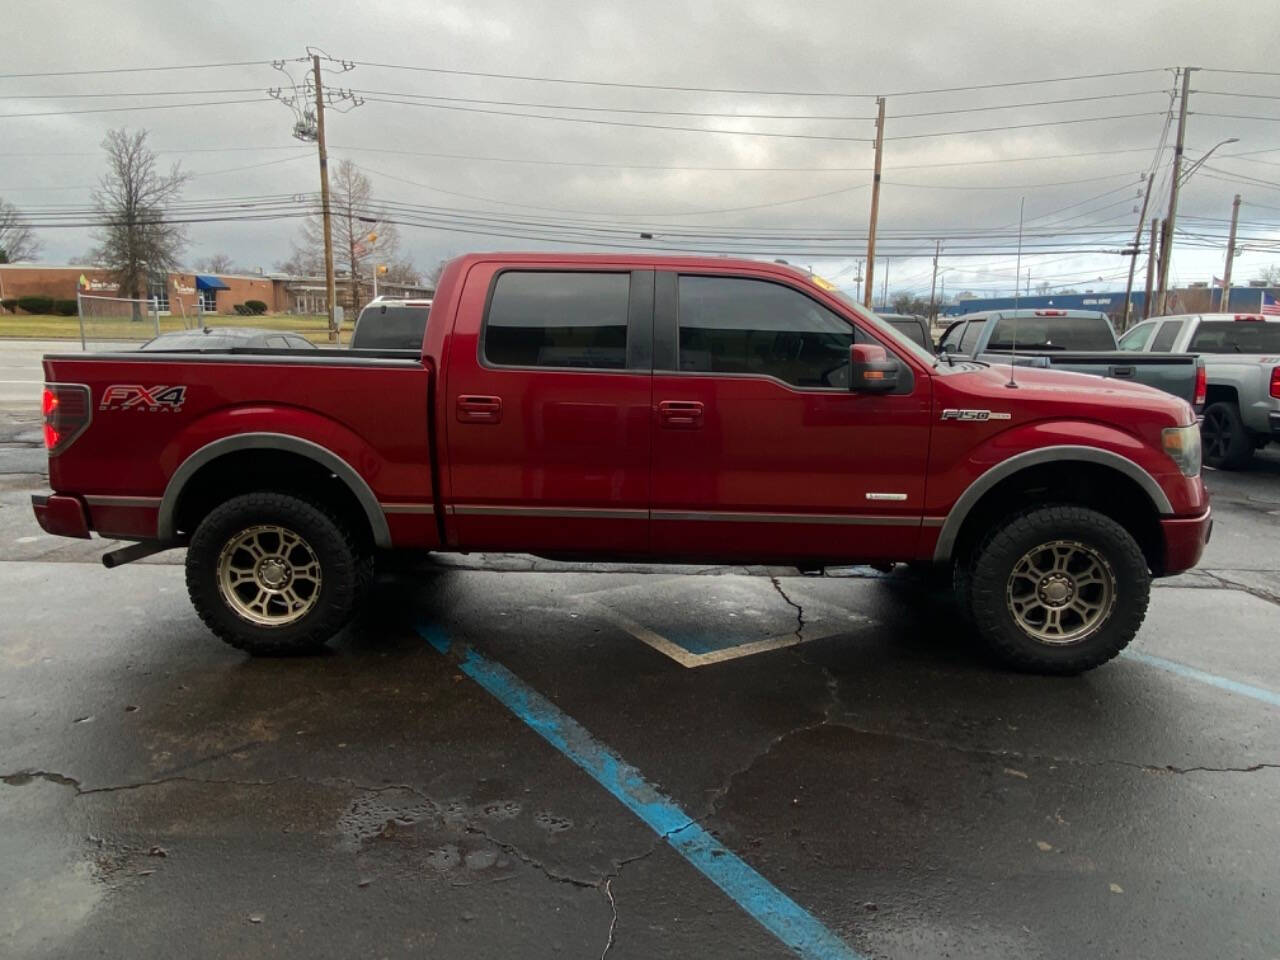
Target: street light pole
<point>1167,246</point>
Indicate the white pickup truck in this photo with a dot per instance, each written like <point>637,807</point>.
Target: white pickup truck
<point>1241,354</point>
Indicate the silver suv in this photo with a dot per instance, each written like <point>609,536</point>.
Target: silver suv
<point>1241,354</point>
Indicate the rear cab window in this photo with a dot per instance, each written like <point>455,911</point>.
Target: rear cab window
<point>1236,336</point>
<point>972,333</point>
<point>1052,333</point>
<point>564,319</point>
<point>390,327</point>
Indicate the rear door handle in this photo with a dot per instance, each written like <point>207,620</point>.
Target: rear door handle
<point>1123,371</point>
<point>680,414</point>
<point>477,409</point>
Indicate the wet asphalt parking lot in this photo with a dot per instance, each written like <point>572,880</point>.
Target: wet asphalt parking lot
<point>510,758</point>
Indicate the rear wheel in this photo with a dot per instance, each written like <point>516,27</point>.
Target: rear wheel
<point>1058,589</point>
<point>272,574</point>
<point>1227,443</point>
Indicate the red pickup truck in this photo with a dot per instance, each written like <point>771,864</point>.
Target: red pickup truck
<point>648,408</point>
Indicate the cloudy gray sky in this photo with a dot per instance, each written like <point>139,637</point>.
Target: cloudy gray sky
<point>955,172</point>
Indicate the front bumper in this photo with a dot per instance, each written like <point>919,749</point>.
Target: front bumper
<point>61,515</point>
<point>1184,541</point>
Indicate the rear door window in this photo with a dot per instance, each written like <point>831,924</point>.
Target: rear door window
<point>739,325</point>
<point>1169,331</point>
<point>1236,336</point>
<point>390,327</point>
<point>558,319</point>
<point>951,339</point>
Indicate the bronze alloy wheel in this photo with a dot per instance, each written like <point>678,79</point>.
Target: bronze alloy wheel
<point>1061,592</point>
<point>268,575</point>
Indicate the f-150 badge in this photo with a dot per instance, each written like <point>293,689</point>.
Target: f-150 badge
<point>973,415</point>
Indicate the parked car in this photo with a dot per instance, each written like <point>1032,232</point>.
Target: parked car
<point>228,338</point>
<point>641,407</point>
<point>1082,341</point>
<point>387,324</point>
<point>1241,355</point>
<point>916,328</point>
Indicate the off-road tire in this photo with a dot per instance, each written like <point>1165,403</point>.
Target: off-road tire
<point>992,569</point>
<point>1235,449</point>
<point>346,571</point>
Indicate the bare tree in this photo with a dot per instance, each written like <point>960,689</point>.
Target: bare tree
<point>354,223</point>
<point>17,240</point>
<point>217,263</point>
<point>135,239</point>
<point>910,303</point>
<point>1269,275</point>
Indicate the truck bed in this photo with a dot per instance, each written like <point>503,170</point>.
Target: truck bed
<point>1171,372</point>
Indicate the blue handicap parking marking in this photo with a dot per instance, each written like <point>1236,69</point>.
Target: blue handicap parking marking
<point>785,919</point>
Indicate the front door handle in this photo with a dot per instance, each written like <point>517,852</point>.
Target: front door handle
<point>1123,371</point>
<point>680,414</point>
<point>477,409</point>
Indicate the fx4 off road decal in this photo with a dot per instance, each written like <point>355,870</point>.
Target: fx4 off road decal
<point>133,396</point>
<point>973,415</point>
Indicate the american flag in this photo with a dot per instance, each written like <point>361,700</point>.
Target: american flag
<point>1270,308</point>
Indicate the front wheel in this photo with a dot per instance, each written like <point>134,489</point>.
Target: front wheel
<point>272,574</point>
<point>1058,589</point>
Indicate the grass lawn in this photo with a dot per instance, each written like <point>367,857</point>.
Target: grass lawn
<point>50,327</point>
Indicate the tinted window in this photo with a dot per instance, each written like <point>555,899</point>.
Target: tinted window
<point>1137,338</point>
<point>546,319</point>
<point>1236,336</point>
<point>1053,333</point>
<point>971,335</point>
<point>1169,331</point>
<point>299,343</point>
<point>383,327</point>
<point>912,328</point>
<point>728,325</point>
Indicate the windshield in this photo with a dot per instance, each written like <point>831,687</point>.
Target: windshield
<point>1236,336</point>
<point>384,327</point>
<point>1052,333</point>
<point>896,337</point>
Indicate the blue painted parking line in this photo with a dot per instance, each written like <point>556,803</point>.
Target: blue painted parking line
<point>766,904</point>
<point>1203,676</point>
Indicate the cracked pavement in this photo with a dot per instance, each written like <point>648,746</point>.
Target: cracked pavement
<point>880,772</point>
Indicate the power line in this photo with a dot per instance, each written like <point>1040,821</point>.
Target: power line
<point>1229,93</point>
<point>739,90</point>
<point>618,123</point>
<point>1233,116</point>
<point>1252,73</point>
<point>1021,126</point>
<point>133,93</point>
<point>1003,186</point>
<point>153,106</point>
<point>181,66</point>
<point>1032,103</point>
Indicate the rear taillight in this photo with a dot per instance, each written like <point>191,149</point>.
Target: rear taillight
<point>1202,384</point>
<point>67,413</point>
<point>1275,382</point>
<point>1051,313</point>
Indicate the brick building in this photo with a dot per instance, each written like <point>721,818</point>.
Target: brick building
<point>189,293</point>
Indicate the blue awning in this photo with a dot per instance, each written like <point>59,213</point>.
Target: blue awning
<point>209,283</point>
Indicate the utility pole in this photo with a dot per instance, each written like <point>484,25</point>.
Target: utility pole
<point>1133,258</point>
<point>1151,269</point>
<point>933,284</point>
<point>1028,281</point>
<point>885,296</point>
<point>1171,219</point>
<point>858,279</point>
<point>1225,301</point>
<point>875,201</point>
<point>330,286</point>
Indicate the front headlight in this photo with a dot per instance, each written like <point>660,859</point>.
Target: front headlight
<point>1182,444</point>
